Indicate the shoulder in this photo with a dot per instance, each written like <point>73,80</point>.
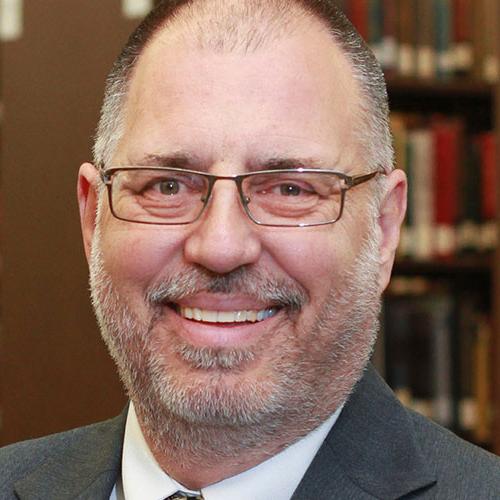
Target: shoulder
<point>457,464</point>
<point>78,448</point>
<point>393,452</point>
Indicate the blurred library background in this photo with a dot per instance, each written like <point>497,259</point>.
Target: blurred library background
<point>439,346</point>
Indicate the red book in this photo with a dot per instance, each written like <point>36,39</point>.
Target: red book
<point>358,14</point>
<point>488,155</point>
<point>447,133</point>
<point>462,20</point>
<point>462,35</point>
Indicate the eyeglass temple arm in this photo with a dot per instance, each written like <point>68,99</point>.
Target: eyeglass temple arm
<point>359,179</point>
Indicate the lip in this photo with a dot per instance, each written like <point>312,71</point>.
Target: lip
<point>222,302</point>
<point>218,316</point>
<point>219,335</point>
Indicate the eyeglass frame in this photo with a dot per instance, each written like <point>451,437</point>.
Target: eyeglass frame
<point>350,181</point>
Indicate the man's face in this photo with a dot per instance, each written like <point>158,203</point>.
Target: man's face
<point>230,113</point>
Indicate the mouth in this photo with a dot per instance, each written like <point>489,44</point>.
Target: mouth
<point>225,317</point>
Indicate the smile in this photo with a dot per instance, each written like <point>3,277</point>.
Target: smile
<point>243,316</point>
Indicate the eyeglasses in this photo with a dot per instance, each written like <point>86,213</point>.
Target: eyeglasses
<point>299,197</point>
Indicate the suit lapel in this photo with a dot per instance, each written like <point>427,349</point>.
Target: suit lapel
<point>84,466</point>
<point>371,452</point>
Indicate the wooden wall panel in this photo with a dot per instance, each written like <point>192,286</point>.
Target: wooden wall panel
<point>54,372</point>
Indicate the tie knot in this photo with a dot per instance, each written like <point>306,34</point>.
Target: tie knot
<point>182,495</point>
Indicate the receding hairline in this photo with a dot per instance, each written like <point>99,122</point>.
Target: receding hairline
<point>229,25</point>
<point>186,33</point>
<point>232,25</point>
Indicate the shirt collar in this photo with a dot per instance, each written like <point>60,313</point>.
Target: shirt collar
<point>276,478</point>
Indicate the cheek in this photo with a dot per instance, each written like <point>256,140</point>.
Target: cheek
<point>139,254</point>
<point>315,258</point>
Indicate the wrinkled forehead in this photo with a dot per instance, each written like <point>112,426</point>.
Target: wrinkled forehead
<point>298,69</point>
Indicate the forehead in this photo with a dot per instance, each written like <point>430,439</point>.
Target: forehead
<point>296,95</point>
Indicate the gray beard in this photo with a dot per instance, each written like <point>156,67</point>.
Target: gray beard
<point>312,376</point>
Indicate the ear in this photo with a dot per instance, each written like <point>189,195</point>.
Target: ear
<point>392,212</point>
<point>88,193</point>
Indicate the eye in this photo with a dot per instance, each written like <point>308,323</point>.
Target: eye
<point>290,190</point>
<point>168,186</point>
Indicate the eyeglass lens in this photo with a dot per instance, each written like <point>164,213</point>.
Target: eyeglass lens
<point>173,197</point>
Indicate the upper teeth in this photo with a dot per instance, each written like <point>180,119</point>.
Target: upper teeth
<point>226,316</point>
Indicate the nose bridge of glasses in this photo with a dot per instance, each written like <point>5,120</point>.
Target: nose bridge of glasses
<point>237,179</point>
<point>221,195</point>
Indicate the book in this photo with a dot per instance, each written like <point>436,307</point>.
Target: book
<point>441,310</point>
<point>357,10</point>
<point>421,196</point>
<point>447,139</point>
<point>418,326</point>
<point>425,39</point>
<point>490,63</point>
<point>487,147</point>
<point>398,356</point>
<point>465,341</point>
<point>375,29</point>
<point>443,38</point>
<point>463,49</point>
<point>407,38</point>
<point>482,382</point>
<point>430,38</point>
<point>469,224</point>
<point>451,186</point>
<point>389,51</point>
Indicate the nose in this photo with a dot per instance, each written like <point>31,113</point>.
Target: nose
<point>224,238</point>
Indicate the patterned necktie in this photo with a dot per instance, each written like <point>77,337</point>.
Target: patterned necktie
<point>182,495</point>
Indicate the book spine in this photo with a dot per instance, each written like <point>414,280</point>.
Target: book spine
<point>406,35</point>
<point>358,13</point>
<point>465,368</point>
<point>447,138</point>
<point>487,146</point>
<point>482,382</point>
<point>397,336</point>
<point>490,64</point>
<point>420,323</point>
<point>375,29</point>
<point>422,194</point>
<point>443,30</point>
<point>463,51</point>
<point>452,183</point>
<point>469,228</point>
<point>440,309</point>
<point>389,39</point>
<point>426,51</point>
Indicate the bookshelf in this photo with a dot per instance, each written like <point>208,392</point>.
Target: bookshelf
<point>475,266</point>
<point>441,59</point>
<point>468,273</point>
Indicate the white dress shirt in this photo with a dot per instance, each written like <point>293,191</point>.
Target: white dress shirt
<point>277,478</point>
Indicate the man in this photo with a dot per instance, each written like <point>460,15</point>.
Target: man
<point>240,221</point>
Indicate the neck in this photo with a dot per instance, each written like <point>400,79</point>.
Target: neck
<point>197,456</point>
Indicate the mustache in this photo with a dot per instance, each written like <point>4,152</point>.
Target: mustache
<point>281,292</point>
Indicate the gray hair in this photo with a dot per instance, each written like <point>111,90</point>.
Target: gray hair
<point>250,22</point>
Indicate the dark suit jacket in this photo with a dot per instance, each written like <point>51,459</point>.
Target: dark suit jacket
<point>377,449</point>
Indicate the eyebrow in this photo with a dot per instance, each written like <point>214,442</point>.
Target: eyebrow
<point>192,162</point>
<point>175,160</point>
<point>290,163</point>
